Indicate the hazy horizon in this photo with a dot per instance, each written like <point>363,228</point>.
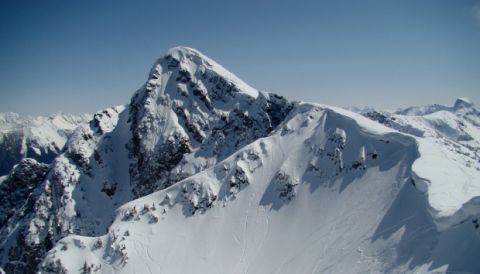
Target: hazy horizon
<point>79,57</point>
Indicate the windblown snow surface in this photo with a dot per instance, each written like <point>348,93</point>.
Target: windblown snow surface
<point>252,183</point>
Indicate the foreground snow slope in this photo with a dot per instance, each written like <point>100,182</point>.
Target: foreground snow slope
<point>327,192</point>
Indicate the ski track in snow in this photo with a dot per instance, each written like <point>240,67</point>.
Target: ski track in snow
<point>243,258</point>
<point>264,237</point>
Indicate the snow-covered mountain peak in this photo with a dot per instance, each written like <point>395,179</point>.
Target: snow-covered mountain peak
<point>199,65</point>
<point>462,102</point>
<point>190,103</point>
<point>186,55</point>
<point>189,115</point>
<point>461,105</point>
<point>200,166</point>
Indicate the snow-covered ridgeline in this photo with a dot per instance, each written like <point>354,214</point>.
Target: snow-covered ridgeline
<point>328,190</point>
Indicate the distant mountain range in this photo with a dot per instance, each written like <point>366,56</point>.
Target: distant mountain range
<point>40,138</point>
<point>201,173</point>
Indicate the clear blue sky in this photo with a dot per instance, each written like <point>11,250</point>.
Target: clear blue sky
<point>81,56</point>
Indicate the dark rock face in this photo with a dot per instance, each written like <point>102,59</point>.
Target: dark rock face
<point>41,219</point>
<point>389,121</point>
<point>286,186</point>
<point>10,151</point>
<point>21,182</point>
<point>33,219</point>
<point>379,117</point>
<point>18,194</point>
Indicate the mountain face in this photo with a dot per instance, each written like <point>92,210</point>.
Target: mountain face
<point>201,168</point>
<point>191,114</point>
<point>40,138</point>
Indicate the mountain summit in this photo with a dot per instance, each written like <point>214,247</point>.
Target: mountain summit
<point>462,103</point>
<point>201,168</point>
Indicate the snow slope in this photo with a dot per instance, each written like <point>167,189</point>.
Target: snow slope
<point>41,138</point>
